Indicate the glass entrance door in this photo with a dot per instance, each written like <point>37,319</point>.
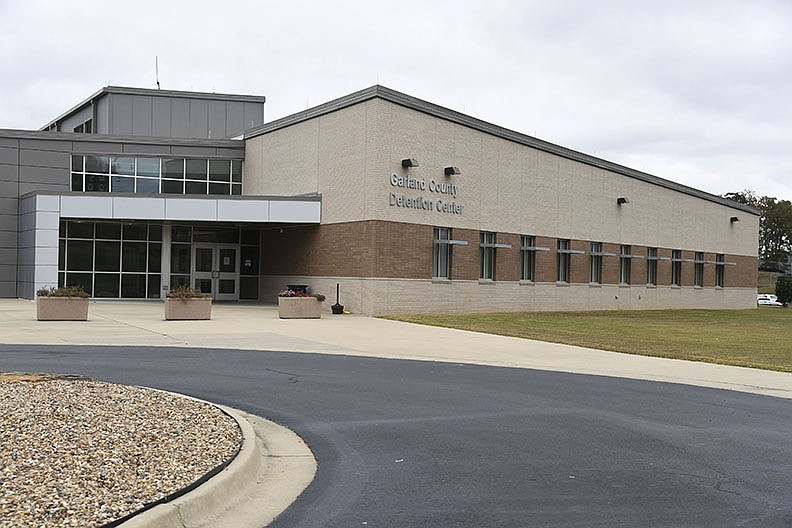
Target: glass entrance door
<point>216,270</point>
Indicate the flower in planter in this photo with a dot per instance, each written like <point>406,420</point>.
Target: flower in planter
<point>300,293</point>
<point>63,291</point>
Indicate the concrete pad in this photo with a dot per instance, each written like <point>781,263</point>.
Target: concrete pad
<point>257,327</point>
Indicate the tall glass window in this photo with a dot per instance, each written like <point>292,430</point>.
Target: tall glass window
<point>595,263</point>
<point>676,267</point>
<point>111,259</point>
<point>527,257</point>
<point>625,263</point>
<point>130,174</point>
<point>720,270</point>
<point>651,266</point>
<point>441,253</point>
<point>486,255</point>
<point>698,275</point>
<point>562,260</point>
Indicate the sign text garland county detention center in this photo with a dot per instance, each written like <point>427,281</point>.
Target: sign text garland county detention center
<point>441,204</point>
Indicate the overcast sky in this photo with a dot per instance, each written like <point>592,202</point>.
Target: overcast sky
<point>695,92</point>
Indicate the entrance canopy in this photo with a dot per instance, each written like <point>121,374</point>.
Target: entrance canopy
<point>41,214</point>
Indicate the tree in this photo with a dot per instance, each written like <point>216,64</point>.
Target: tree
<point>775,223</point>
<point>783,289</point>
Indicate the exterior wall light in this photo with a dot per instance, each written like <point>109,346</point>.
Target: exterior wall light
<point>450,171</point>
<point>734,219</point>
<point>409,162</point>
<point>622,200</point>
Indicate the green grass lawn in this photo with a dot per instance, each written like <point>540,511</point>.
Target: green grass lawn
<point>760,338</point>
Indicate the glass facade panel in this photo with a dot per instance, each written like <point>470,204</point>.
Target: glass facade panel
<point>192,187</point>
<point>107,231</point>
<point>133,256</point>
<point>625,264</point>
<point>181,234</point>
<point>154,257</point>
<point>250,260</point>
<point>441,253</point>
<point>219,188</point>
<point>147,186</point>
<point>720,270</point>
<point>153,288</point>
<point>562,261</point>
<point>173,168</point>
<point>97,183</point>
<point>107,256</point>
<point>486,255</point>
<point>90,173</point>
<point>123,165</point>
<point>195,169</point>
<point>203,285</point>
<point>77,182</point>
<point>203,259</point>
<point>172,187</point>
<point>226,286</point>
<point>228,260</point>
<point>595,263</point>
<point>79,255</point>
<point>676,267</point>
<point>180,258</point>
<point>698,272</point>
<point>651,266</point>
<point>148,167</point>
<point>133,286</point>
<point>106,285</point>
<point>220,170</point>
<point>81,279</point>
<point>248,288</point>
<point>135,231</point>
<point>80,229</point>
<point>527,257</point>
<point>122,184</point>
<point>236,171</point>
<point>97,164</point>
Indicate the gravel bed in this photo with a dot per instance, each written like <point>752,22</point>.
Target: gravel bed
<point>80,452</point>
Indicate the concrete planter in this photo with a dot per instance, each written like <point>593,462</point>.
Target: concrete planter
<point>188,309</point>
<point>299,308</point>
<point>61,308</point>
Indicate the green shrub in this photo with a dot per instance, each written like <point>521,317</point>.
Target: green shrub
<point>184,292</point>
<point>784,288</point>
<point>63,291</point>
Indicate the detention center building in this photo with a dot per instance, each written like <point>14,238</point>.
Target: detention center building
<point>409,206</point>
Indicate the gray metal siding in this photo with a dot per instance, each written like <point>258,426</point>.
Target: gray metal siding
<point>102,124</point>
<point>44,158</point>
<point>180,118</point>
<point>235,118</point>
<point>122,111</point>
<point>68,124</point>
<point>8,156</point>
<point>254,114</point>
<point>217,119</point>
<point>161,117</point>
<point>141,115</point>
<point>199,115</point>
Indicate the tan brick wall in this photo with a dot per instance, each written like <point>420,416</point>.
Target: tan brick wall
<point>349,156</point>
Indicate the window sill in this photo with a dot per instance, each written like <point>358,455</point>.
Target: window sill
<point>651,286</point>
<point>562,284</point>
<point>624,285</point>
<point>438,280</point>
<point>595,285</point>
<point>486,281</point>
<point>527,283</point>
<point>676,287</point>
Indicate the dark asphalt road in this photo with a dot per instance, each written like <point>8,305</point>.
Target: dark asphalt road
<point>407,444</point>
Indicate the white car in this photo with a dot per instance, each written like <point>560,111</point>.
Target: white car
<point>768,299</point>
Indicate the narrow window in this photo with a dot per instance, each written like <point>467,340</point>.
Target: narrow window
<point>698,278</point>
<point>720,269</point>
<point>527,257</point>
<point>651,266</point>
<point>595,263</point>
<point>676,267</point>
<point>486,255</point>
<point>562,261</point>
<point>625,262</point>
<point>441,253</point>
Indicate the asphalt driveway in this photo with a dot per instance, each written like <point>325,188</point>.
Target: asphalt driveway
<point>409,443</point>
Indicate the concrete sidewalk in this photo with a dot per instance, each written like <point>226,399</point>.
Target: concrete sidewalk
<point>257,327</point>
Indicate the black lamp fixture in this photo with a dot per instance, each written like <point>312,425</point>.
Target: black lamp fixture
<point>734,219</point>
<point>409,162</point>
<point>451,171</point>
<point>622,200</point>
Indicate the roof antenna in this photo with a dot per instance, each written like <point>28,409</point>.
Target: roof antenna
<point>156,71</point>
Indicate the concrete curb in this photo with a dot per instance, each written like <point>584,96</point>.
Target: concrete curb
<point>270,471</point>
